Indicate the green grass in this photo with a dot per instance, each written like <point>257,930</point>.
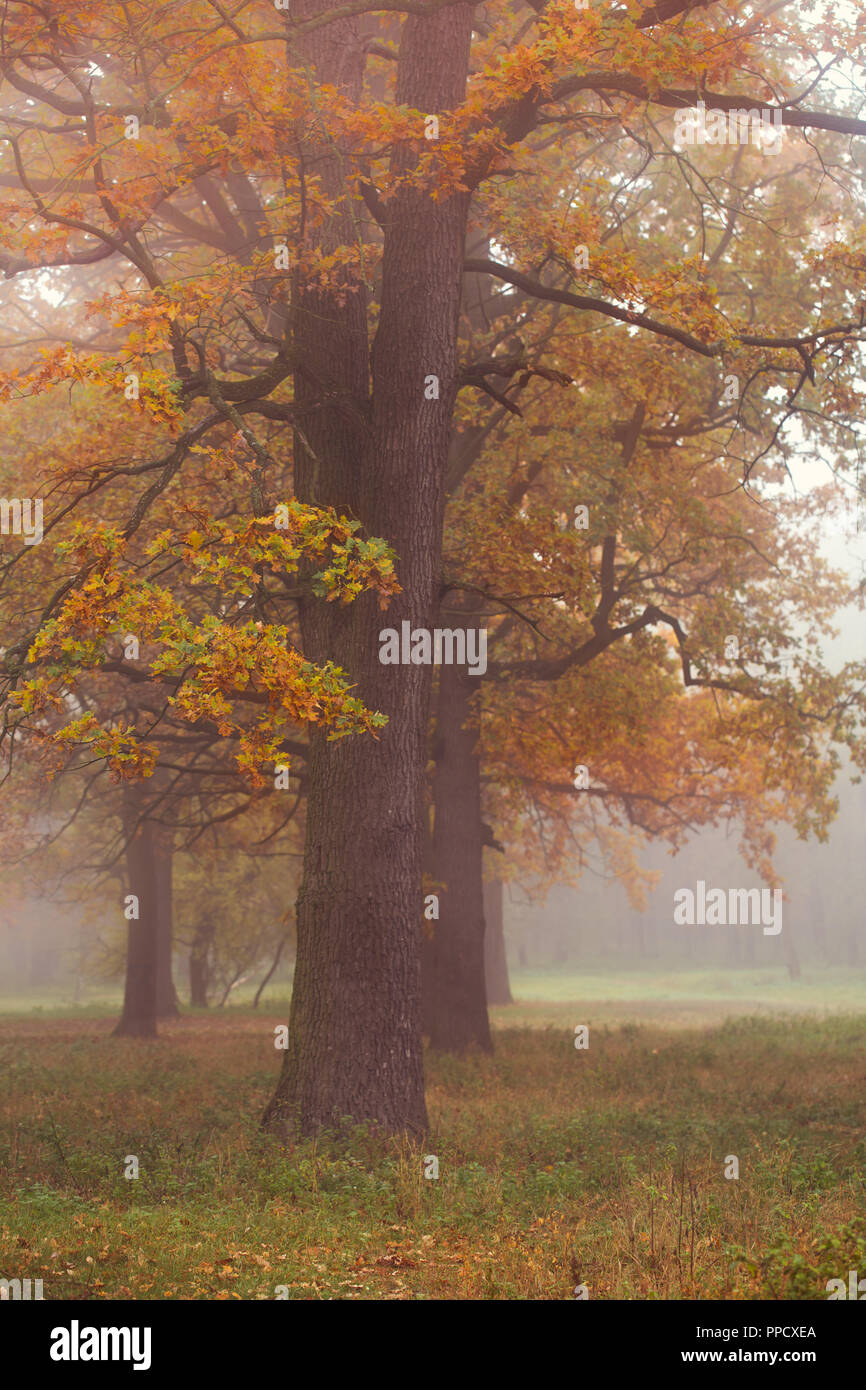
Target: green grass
<point>557,1167</point>
<point>667,995</point>
<point>678,998</point>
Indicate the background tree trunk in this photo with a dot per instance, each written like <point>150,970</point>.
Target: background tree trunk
<point>495,959</point>
<point>199,964</point>
<point>354,1032</point>
<point>138,1019</point>
<point>451,944</point>
<point>749,948</point>
<point>163,848</point>
<point>792,959</point>
<point>457,999</point>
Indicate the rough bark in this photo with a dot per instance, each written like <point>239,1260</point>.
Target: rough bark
<point>495,958</point>
<point>428,924</point>
<point>138,1019</point>
<point>456,998</point>
<point>378,452</point>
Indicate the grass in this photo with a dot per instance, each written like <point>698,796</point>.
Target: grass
<point>549,994</point>
<point>679,998</point>
<point>556,1167</point>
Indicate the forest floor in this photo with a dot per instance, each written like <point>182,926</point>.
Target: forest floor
<point>557,1167</point>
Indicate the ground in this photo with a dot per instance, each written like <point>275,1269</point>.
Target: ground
<point>557,1167</point>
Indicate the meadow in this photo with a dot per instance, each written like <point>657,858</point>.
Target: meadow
<point>602,1167</point>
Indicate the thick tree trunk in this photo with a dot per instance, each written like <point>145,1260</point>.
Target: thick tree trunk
<point>166,995</point>
<point>495,958</point>
<point>354,1033</point>
<point>456,1004</point>
<point>138,1019</point>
